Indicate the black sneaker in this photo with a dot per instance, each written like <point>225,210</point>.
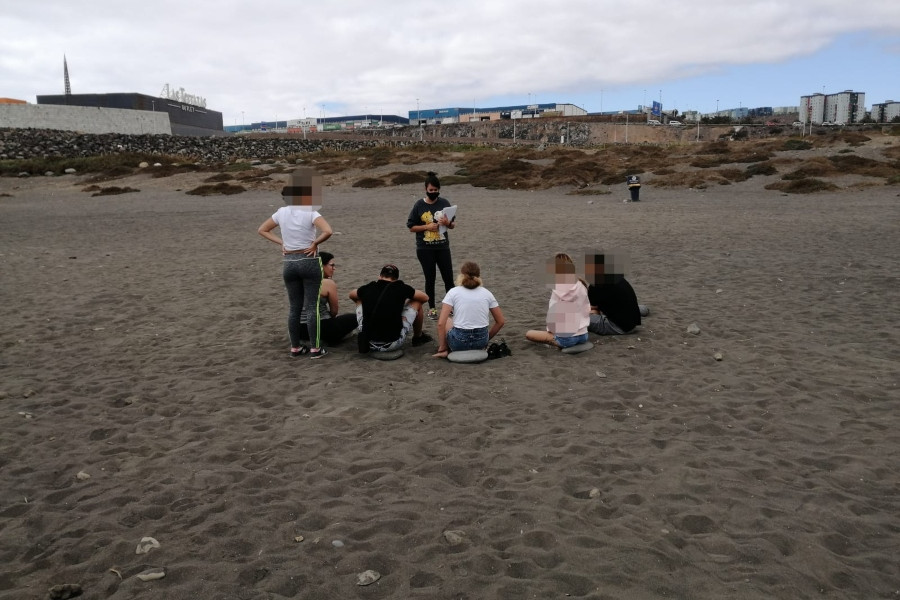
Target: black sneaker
<point>422,339</point>
<point>299,351</point>
<point>318,353</point>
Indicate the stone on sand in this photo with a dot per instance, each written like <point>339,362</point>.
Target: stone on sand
<point>151,574</point>
<point>146,545</point>
<point>367,577</point>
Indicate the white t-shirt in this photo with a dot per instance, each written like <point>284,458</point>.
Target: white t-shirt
<point>297,228</point>
<point>471,308</point>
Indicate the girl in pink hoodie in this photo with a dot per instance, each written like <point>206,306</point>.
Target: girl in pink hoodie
<point>569,312</point>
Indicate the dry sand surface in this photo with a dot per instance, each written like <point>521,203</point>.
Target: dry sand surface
<point>147,391</point>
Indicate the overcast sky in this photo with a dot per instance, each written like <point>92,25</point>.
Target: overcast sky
<point>285,59</point>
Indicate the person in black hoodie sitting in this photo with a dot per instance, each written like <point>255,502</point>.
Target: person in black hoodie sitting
<point>614,306</point>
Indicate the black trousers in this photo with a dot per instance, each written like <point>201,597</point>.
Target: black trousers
<point>430,258</point>
<point>335,329</point>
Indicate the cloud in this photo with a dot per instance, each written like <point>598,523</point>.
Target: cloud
<point>348,56</point>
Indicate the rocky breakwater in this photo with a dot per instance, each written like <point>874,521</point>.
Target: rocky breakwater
<point>24,144</point>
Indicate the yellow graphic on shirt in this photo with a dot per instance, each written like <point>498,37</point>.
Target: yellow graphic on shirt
<point>431,236</point>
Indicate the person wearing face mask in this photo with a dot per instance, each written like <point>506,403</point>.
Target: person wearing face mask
<point>432,246</point>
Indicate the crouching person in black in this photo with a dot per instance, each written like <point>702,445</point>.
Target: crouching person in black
<point>387,309</point>
<point>614,305</point>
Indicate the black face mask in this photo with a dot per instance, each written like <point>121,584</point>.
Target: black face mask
<point>432,195</point>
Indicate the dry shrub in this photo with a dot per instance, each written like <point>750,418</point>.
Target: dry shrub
<point>237,166</point>
<point>173,169</point>
<point>752,157</point>
<point>369,182</point>
<point>619,177</point>
<point>761,168</point>
<point>111,173</point>
<point>794,144</point>
<point>733,175</point>
<point>802,186</point>
<point>853,138</point>
<point>254,175</point>
<point>498,171</point>
<point>717,147</point>
<point>377,156</point>
<point>455,179</point>
<point>589,192</point>
<point>577,170</point>
<point>891,152</point>
<point>814,167</point>
<point>219,177</point>
<point>709,163</point>
<point>220,188</point>
<point>858,165</point>
<point>114,191</point>
<point>407,177</point>
<point>688,179</point>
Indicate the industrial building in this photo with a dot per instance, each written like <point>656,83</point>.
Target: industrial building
<point>844,108</point>
<point>313,124</point>
<point>439,116</point>
<point>185,118</point>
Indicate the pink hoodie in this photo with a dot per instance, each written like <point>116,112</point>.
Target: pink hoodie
<point>570,310</point>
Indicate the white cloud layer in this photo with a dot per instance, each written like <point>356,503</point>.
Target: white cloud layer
<point>286,59</point>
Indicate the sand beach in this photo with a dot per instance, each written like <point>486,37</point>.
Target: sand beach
<point>147,391</point>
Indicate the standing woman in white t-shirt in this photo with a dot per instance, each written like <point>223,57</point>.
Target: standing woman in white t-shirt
<point>303,229</point>
<point>473,306</point>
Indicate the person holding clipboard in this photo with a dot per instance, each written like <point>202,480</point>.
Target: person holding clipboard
<point>430,219</point>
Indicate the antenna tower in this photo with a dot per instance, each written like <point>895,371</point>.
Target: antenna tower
<point>66,76</point>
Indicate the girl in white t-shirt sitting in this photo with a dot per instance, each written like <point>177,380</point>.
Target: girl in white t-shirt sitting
<point>472,306</point>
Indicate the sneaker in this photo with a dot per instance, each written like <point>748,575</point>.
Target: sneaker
<point>299,351</point>
<point>432,314</point>
<point>422,339</point>
<point>318,353</point>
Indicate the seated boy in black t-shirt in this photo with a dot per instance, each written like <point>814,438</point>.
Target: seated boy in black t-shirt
<point>387,309</point>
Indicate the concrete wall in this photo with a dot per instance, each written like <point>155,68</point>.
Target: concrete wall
<point>83,119</point>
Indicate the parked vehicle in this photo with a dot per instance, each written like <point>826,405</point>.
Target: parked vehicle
<point>797,124</point>
<point>676,123</point>
<point>653,122</point>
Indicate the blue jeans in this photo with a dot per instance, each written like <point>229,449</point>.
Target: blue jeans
<point>467,339</point>
<point>568,342</point>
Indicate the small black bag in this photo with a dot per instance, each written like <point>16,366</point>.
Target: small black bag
<point>500,350</point>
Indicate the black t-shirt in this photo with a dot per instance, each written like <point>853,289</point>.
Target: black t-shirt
<point>422,213</point>
<point>616,300</point>
<point>382,318</point>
